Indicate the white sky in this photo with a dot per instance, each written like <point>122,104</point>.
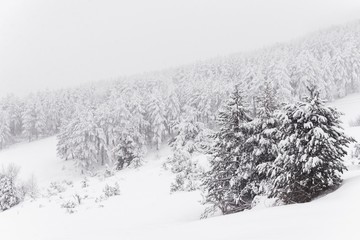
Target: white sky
<point>58,43</point>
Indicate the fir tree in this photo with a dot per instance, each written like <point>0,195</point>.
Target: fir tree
<point>157,113</point>
<point>5,133</point>
<point>226,183</point>
<point>33,120</point>
<point>127,142</point>
<point>310,151</point>
<point>78,140</point>
<point>9,194</point>
<point>265,136</point>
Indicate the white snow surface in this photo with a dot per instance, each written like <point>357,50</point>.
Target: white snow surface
<point>145,209</point>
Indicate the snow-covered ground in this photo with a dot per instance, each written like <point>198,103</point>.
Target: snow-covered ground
<point>145,209</point>
<point>349,106</point>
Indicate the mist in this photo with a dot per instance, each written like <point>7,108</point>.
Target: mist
<point>54,44</point>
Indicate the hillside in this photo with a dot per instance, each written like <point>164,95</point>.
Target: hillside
<point>145,209</point>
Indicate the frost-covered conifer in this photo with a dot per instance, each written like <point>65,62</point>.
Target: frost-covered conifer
<point>156,110</point>
<point>125,147</point>
<point>265,136</point>
<point>189,138</point>
<point>9,195</point>
<point>172,110</point>
<point>310,151</point>
<point>78,140</point>
<point>187,132</point>
<point>33,119</point>
<point>5,133</point>
<point>227,182</point>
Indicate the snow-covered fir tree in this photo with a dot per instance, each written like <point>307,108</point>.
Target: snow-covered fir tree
<point>79,140</point>
<point>33,119</point>
<point>187,132</point>
<point>9,195</point>
<point>127,142</point>
<point>226,183</point>
<point>5,132</point>
<point>173,110</point>
<point>189,138</point>
<point>156,111</point>
<point>310,151</point>
<point>265,136</point>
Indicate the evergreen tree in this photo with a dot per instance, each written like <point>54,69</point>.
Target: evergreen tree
<point>172,110</point>
<point>189,138</point>
<point>227,182</point>
<point>187,132</point>
<point>5,133</point>
<point>9,194</point>
<point>128,142</point>
<point>310,151</point>
<point>157,113</point>
<point>33,119</point>
<point>265,136</point>
<point>78,140</point>
<point>13,107</point>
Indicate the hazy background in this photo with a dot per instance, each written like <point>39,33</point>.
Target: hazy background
<point>58,43</point>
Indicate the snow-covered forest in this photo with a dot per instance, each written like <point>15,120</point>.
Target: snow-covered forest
<point>260,119</point>
<point>151,105</point>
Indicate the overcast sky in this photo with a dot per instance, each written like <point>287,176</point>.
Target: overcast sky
<point>59,43</point>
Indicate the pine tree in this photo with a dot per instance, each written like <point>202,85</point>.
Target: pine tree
<point>310,151</point>
<point>189,138</point>
<point>187,132</point>
<point>13,107</point>
<point>9,194</point>
<point>172,110</point>
<point>78,140</point>
<point>5,133</point>
<point>157,113</point>
<point>127,141</point>
<point>265,136</point>
<point>226,183</point>
<point>33,120</point>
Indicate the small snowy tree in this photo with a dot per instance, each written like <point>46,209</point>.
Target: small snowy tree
<point>189,138</point>
<point>310,151</point>
<point>187,132</point>
<point>9,195</point>
<point>5,134</point>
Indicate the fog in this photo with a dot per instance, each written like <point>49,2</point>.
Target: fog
<point>47,44</point>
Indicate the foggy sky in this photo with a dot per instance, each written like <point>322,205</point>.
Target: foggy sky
<point>58,43</point>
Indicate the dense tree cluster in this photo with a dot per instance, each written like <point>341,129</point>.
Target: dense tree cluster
<point>292,153</point>
<point>114,122</point>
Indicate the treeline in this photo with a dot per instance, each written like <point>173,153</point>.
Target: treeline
<point>42,114</point>
<point>115,121</point>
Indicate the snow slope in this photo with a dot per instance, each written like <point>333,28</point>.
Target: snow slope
<point>38,158</point>
<point>349,106</point>
<point>145,209</point>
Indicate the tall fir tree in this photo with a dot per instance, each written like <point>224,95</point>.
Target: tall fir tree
<point>33,119</point>
<point>265,136</point>
<point>5,132</point>
<point>78,140</point>
<point>156,110</point>
<point>226,183</point>
<point>310,151</point>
